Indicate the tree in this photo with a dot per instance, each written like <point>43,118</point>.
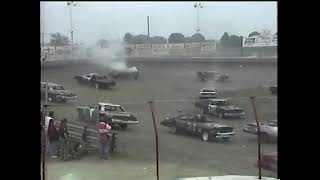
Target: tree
<point>141,39</point>
<point>58,40</point>
<point>254,33</point>
<point>158,40</point>
<point>224,41</point>
<point>102,43</point>
<point>176,38</point>
<point>197,38</point>
<point>235,41</point>
<point>128,38</point>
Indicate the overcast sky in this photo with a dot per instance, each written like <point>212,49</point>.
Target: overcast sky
<point>111,20</point>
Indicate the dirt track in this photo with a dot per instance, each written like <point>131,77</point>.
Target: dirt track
<point>180,155</point>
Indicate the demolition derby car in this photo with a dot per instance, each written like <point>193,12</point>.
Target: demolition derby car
<point>113,114</point>
<point>96,80</point>
<point>197,124</point>
<point>219,107</point>
<point>128,73</point>
<point>56,92</point>
<point>269,130</point>
<point>208,92</point>
<point>204,75</point>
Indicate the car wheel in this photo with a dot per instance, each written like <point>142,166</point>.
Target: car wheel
<point>97,86</point>
<point>173,130</point>
<point>205,136</point>
<point>123,126</point>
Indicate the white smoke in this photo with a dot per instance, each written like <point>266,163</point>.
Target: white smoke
<point>112,57</point>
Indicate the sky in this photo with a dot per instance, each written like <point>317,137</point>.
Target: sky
<point>111,20</point>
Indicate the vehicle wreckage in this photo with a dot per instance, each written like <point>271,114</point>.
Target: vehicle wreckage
<point>56,92</point>
<point>96,80</point>
<point>268,131</point>
<point>114,114</point>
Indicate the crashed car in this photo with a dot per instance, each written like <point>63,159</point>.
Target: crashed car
<point>128,73</point>
<point>221,108</point>
<point>197,124</point>
<point>209,92</point>
<point>268,131</point>
<point>96,80</point>
<point>114,114</point>
<point>56,92</point>
<point>204,75</point>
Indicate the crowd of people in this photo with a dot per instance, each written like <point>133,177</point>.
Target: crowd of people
<point>58,139</point>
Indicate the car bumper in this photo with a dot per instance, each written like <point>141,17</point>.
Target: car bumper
<point>208,96</point>
<point>69,97</point>
<point>223,135</point>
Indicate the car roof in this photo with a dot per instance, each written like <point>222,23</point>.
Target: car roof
<point>216,99</point>
<point>209,88</point>
<point>107,104</point>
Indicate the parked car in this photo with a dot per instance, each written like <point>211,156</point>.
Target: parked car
<point>209,92</point>
<point>96,80</point>
<point>269,130</point>
<point>114,114</point>
<point>128,73</point>
<point>221,108</point>
<point>56,92</point>
<point>197,124</point>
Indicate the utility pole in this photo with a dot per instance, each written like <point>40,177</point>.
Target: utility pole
<point>148,26</point>
<point>198,5</point>
<point>70,4</point>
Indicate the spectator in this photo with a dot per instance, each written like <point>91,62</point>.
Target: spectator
<point>104,137</point>
<point>53,138</point>
<point>63,136</point>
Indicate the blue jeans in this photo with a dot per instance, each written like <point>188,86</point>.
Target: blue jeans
<point>104,148</point>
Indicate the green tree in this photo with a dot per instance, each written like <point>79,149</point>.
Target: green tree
<point>142,39</point>
<point>254,33</point>
<point>58,40</point>
<point>158,40</point>
<point>197,38</point>
<point>176,38</point>
<point>224,41</point>
<point>128,38</point>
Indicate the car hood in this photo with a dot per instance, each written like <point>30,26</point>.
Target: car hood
<point>211,125</point>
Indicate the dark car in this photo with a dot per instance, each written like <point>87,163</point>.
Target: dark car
<point>204,75</point>
<point>96,80</point>
<point>219,107</point>
<point>197,124</point>
<point>56,92</point>
<point>128,73</point>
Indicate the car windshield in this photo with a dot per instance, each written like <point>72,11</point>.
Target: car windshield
<point>149,69</point>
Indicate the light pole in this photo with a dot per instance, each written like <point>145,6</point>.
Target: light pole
<point>198,5</point>
<point>70,4</point>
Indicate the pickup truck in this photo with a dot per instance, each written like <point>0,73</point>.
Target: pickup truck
<point>219,107</point>
<point>113,114</point>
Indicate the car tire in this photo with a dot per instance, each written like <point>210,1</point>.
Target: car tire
<point>173,130</point>
<point>205,135</point>
<point>123,126</point>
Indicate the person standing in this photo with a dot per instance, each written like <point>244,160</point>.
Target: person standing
<point>63,137</point>
<point>53,138</point>
<point>104,137</point>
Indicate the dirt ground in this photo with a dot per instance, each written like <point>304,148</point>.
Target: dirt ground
<point>180,155</point>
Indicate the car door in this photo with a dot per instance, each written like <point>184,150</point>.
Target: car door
<point>181,121</point>
<point>190,124</point>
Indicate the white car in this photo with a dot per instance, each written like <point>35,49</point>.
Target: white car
<point>208,93</point>
<point>269,131</point>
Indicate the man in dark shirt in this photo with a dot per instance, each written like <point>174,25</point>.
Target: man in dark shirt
<point>53,138</point>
